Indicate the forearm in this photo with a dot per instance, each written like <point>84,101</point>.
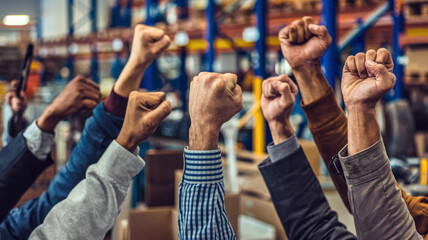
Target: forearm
<point>312,83</point>
<point>91,208</point>
<point>130,78</point>
<point>363,129</point>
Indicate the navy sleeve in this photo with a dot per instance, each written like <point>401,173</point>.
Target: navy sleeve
<point>100,130</point>
<point>19,168</point>
<point>300,201</point>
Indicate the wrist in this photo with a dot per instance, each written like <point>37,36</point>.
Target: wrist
<point>312,83</point>
<point>360,108</point>
<point>203,137</point>
<point>280,131</point>
<point>48,120</point>
<point>127,141</point>
<point>137,64</point>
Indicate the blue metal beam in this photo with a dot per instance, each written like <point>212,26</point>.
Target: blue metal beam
<point>357,31</point>
<point>330,58</point>
<point>149,80</point>
<point>261,9</point>
<point>360,40</point>
<point>70,23</point>
<point>182,81</point>
<point>94,58</point>
<point>211,32</point>
<point>398,18</point>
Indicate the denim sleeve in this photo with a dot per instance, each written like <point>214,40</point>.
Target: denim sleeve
<point>97,135</point>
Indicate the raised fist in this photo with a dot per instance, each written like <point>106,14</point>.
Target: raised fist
<point>147,45</point>
<point>366,78</point>
<point>144,113</point>
<point>17,105</point>
<point>304,42</point>
<point>278,98</point>
<point>214,99</point>
<point>81,94</point>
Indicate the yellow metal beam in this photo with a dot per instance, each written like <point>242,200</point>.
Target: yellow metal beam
<point>259,123</point>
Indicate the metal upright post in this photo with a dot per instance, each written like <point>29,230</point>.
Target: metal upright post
<point>260,72</point>
<point>150,75</point>
<point>182,81</point>
<point>359,43</point>
<point>398,18</point>
<point>94,57</point>
<point>211,32</point>
<point>70,59</point>
<point>330,59</point>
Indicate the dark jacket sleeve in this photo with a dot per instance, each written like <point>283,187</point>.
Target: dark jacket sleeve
<point>300,201</point>
<point>19,168</point>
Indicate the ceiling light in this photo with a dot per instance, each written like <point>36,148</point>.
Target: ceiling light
<point>16,20</point>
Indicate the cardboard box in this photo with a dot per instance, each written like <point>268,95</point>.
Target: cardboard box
<point>311,152</point>
<point>255,185</point>
<point>264,211</point>
<point>159,223</point>
<point>160,168</point>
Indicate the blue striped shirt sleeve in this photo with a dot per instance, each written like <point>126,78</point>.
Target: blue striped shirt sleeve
<point>202,214</point>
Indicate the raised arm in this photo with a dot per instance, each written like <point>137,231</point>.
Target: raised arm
<point>28,154</point>
<point>376,202</point>
<point>91,208</point>
<point>100,130</point>
<point>214,99</point>
<point>294,188</point>
<point>303,43</point>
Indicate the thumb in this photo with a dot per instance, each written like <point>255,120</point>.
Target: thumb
<point>381,73</point>
<point>284,90</point>
<point>321,32</point>
<point>154,35</point>
<point>159,113</point>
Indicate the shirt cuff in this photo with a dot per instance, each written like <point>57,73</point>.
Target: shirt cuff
<point>284,149</point>
<point>38,142</point>
<point>363,162</point>
<point>202,167</point>
<point>120,164</point>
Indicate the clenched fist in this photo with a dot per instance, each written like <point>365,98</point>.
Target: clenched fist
<point>214,99</point>
<point>17,105</point>
<point>304,42</point>
<point>144,113</point>
<point>81,94</point>
<point>148,44</point>
<point>366,78</point>
<point>278,99</point>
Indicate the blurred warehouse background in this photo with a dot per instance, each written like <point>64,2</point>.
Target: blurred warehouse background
<point>93,38</point>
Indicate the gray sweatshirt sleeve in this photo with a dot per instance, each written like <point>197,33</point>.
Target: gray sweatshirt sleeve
<point>91,208</point>
<point>376,202</point>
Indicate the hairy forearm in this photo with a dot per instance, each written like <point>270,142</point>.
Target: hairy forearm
<point>363,129</point>
<point>281,131</point>
<point>312,83</point>
<point>130,78</point>
<point>203,138</point>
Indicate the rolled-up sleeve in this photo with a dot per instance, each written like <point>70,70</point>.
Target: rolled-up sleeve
<point>39,143</point>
